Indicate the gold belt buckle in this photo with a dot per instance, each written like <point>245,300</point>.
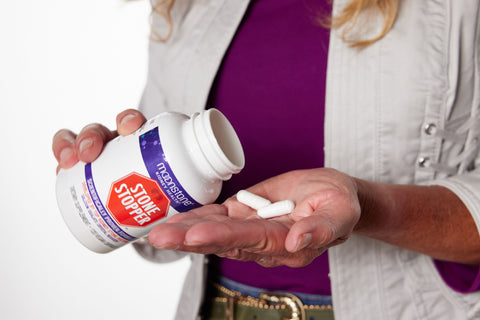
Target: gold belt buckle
<point>229,312</point>
<point>289,300</point>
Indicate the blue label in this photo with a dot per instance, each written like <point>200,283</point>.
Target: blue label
<point>159,169</point>
<point>100,208</point>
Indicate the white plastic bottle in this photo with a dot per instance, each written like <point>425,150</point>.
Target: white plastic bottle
<point>172,164</point>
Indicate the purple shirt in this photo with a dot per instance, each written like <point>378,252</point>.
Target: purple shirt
<point>271,86</point>
<point>460,277</point>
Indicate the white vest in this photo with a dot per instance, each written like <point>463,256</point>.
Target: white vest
<point>403,110</point>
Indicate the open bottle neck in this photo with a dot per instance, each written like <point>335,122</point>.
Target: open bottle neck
<point>214,144</point>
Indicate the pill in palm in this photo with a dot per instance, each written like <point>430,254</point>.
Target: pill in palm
<point>252,200</point>
<point>276,209</point>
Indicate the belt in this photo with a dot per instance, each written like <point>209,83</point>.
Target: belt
<point>225,304</point>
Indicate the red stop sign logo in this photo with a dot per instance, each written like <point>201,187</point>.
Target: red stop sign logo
<point>137,201</point>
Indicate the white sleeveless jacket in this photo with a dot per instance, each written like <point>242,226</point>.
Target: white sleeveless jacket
<point>403,110</point>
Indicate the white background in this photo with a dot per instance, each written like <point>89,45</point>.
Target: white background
<point>66,63</point>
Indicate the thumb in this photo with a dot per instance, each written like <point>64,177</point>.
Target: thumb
<point>318,231</point>
<point>129,121</point>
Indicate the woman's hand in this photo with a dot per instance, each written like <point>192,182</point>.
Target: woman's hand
<point>69,148</point>
<point>327,209</point>
<point>329,206</point>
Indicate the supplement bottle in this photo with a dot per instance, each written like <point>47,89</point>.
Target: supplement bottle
<point>173,163</point>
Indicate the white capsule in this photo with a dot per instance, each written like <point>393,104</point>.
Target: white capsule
<point>276,209</point>
<point>252,200</point>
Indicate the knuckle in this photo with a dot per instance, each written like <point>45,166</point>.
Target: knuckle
<point>64,135</point>
<point>325,236</point>
<point>91,127</point>
<point>300,261</point>
<point>268,262</point>
<point>235,254</point>
<point>95,131</point>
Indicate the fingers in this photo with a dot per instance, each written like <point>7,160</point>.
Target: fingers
<point>210,230</point>
<point>321,230</point>
<point>172,233</point>
<point>69,148</point>
<point>312,232</point>
<point>129,121</point>
<point>63,147</point>
<point>91,140</point>
<point>237,227</point>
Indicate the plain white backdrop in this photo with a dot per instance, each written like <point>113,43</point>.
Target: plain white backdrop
<point>67,63</point>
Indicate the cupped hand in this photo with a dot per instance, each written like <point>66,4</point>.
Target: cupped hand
<point>69,148</point>
<point>327,209</point>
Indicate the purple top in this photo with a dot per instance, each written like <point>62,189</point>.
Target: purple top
<point>460,277</point>
<point>271,86</point>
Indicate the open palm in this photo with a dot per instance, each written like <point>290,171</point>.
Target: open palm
<point>326,212</point>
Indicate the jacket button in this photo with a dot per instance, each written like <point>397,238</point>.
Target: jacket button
<point>430,128</point>
<point>424,162</point>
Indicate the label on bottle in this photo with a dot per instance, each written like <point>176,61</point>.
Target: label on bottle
<point>159,169</point>
<point>137,201</point>
<point>124,204</point>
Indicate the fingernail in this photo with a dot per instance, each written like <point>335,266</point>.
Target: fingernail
<point>164,246</point>
<point>264,260</point>
<point>65,155</point>
<point>193,243</point>
<point>304,241</point>
<point>85,144</point>
<point>127,118</point>
<point>156,242</point>
<point>167,246</point>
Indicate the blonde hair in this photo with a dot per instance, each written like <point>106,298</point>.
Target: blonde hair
<point>347,19</point>
<point>163,9</point>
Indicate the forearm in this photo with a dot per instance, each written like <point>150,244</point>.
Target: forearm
<point>428,219</point>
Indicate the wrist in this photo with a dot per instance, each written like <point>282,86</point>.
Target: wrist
<point>377,209</point>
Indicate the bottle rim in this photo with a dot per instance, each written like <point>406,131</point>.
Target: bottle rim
<point>224,142</point>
